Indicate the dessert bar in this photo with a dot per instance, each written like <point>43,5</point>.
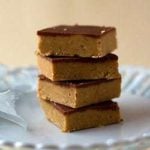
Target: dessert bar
<point>78,93</point>
<point>69,119</point>
<point>77,40</point>
<point>77,68</point>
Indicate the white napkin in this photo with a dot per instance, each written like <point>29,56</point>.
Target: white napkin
<point>7,108</point>
<point>14,83</point>
<point>135,80</point>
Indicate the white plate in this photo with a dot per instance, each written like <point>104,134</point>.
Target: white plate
<point>133,131</point>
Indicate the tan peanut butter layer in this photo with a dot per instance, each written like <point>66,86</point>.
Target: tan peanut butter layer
<point>77,94</point>
<point>77,68</point>
<point>77,40</point>
<point>69,119</point>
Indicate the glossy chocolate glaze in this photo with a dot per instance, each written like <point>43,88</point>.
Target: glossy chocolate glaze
<point>58,59</point>
<point>107,105</point>
<point>77,83</point>
<point>65,30</point>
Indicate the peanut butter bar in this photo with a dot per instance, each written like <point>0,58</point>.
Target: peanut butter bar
<point>77,94</point>
<point>69,119</point>
<point>77,68</point>
<point>77,40</point>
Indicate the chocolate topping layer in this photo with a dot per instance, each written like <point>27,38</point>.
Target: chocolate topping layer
<point>100,106</point>
<point>76,83</point>
<point>93,31</point>
<point>81,59</point>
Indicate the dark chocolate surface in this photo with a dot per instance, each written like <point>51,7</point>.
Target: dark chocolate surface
<point>76,83</point>
<point>81,59</point>
<point>107,105</point>
<point>93,31</point>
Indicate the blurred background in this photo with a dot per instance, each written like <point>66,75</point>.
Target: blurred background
<point>20,19</point>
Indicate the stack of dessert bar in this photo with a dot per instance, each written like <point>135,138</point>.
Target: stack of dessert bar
<point>79,76</point>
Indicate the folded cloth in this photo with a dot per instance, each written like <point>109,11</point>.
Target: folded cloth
<point>8,99</point>
<point>7,108</point>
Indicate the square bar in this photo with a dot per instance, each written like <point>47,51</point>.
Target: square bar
<point>69,119</point>
<point>77,40</point>
<point>77,94</point>
<point>77,68</point>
